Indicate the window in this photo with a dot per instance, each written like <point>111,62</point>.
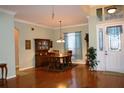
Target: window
<point>99,14</point>
<point>73,42</point>
<point>114,33</point>
<point>101,39</point>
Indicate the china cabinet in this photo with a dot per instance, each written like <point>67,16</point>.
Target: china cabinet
<point>41,50</point>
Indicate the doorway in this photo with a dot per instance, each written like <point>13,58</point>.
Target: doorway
<point>16,37</point>
<point>110,47</point>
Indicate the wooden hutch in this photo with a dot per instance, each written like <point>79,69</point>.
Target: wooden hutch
<point>41,50</point>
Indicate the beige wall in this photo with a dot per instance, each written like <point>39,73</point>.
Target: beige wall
<point>27,57</point>
<point>7,45</point>
<point>83,29</point>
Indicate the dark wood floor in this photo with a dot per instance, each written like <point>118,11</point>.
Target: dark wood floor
<point>78,77</point>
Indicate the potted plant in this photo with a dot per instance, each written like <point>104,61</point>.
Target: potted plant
<point>91,58</point>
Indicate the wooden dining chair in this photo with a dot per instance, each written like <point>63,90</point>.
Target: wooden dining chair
<point>69,52</point>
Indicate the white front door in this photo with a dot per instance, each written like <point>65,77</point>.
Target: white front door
<point>110,47</point>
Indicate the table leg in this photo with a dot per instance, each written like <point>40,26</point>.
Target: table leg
<point>6,70</point>
<point>2,72</point>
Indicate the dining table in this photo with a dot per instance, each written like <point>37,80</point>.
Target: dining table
<point>60,61</point>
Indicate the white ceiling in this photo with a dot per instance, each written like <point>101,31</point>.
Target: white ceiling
<point>42,14</point>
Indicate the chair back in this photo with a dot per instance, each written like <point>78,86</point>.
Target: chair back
<point>69,52</point>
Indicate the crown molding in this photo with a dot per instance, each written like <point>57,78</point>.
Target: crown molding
<point>72,26</point>
<point>44,26</point>
<point>7,12</point>
<point>28,22</point>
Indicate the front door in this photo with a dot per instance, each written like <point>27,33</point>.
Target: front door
<point>110,47</point>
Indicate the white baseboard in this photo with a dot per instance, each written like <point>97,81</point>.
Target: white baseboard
<point>78,62</point>
<point>22,69</point>
<point>11,77</point>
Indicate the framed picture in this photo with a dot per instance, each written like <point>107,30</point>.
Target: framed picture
<point>27,44</point>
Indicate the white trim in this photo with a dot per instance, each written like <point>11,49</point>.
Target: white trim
<point>72,26</point>
<point>7,11</point>
<point>114,21</point>
<point>11,77</point>
<point>79,62</point>
<point>28,22</point>
<point>22,69</point>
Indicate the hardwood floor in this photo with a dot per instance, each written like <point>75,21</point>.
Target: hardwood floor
<point>78,77</point>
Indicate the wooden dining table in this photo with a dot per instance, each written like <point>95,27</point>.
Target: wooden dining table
<point>58,61</point>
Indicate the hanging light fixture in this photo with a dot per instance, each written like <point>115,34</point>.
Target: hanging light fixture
<point>53,12</point>
<point>60,40</point>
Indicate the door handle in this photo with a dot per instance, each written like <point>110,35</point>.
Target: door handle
<point>106,53</point>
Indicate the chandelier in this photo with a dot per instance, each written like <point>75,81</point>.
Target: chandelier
<point>60,40</point>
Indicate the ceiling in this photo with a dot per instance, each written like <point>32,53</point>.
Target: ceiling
<point>42,14</point>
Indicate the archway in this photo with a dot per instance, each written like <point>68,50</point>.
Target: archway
<point>16,37</point>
